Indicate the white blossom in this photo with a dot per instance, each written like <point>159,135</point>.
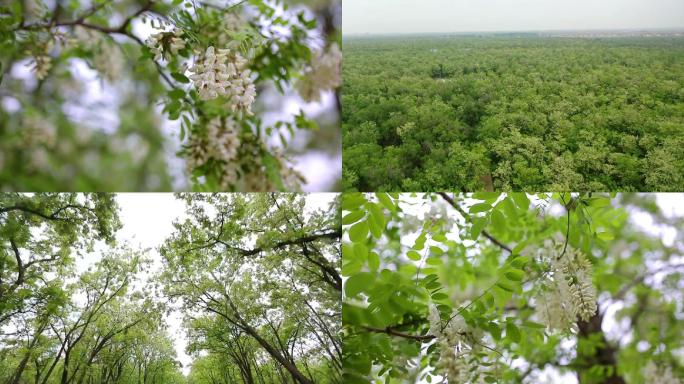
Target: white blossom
<point>38,131</point>
<point>324,74</point>
<point>109,61</point>
<point>223,138</point>
<point>654,374</point>
<point>173,40</point>
<point>41,65</point>
<point>224,72</point>
<point>569,293</point>
<point>456,340</point>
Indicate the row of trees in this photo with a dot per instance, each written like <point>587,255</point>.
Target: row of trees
<point>508,288</point>
<point>64,326</point>
<point>255,276</point>
<point>258,279</point>
<point>513,113</point>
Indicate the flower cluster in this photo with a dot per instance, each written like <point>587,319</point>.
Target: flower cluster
<point>223,139</point>
<point>172,40</point>
<point>659,374</point>
<point>238,161</point>
<point>224,72</point>
<point>324,74</point>
<point>41,64</point>
<point>570,293</point>
<point>108,61</point>
<point>456,342</point>
<point>38,131</point>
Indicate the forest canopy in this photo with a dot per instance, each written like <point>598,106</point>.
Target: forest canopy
<point>511,288</point>
<point>250,282</point>
<point>513,112</point>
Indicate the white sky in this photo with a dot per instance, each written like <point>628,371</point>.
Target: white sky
<point>147,221</point>
<point>410,16</point>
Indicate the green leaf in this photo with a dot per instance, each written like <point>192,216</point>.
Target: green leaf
<point>352,201</point>
<point>413,255</point>
<point>353,217</point>
<point>360,251</point>
<point>434,261</point>
<point>373,261</point>
<point>439,296</point>
<point>439,237</point>
<point>180,78</point>
<point>436,250</point>
<point>520,261</point>
<point>357,283</point>
<point>176,94</point>
<point>506,286</point>
<point>386,201</point>
<point>605,236</point>
<point>521,200</point>
<point>512,332</point>
<point>514,274</point>
<point>532,324</point>
<point>480,207</point>
<point>358,232</point>
<point>479,223</point>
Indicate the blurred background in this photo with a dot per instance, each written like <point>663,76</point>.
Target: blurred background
<point>96,122</point>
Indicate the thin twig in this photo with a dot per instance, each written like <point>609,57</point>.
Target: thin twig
<point>463,213</point>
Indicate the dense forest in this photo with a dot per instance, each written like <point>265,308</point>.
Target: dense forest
<point>513,112</point>
<point>513,288</point>
<point>254,277</point>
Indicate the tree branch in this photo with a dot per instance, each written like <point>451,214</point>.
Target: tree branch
<point>466,216</point>
<point>391,331</point>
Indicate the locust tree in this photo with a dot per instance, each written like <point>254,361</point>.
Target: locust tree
<point>258,280</point>
<point>491,287</point>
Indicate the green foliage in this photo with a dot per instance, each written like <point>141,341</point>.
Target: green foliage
<point>480,261</point>
<point>426,113</point>
<point>61,131</point>
<point>258,279</point>
<point>62,325</point>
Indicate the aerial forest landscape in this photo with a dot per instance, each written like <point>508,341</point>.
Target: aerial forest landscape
<point>552,111</point>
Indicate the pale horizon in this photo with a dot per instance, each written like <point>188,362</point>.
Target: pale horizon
<point>397,17</point>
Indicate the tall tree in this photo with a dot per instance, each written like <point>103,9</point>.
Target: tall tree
<point>243,262</point>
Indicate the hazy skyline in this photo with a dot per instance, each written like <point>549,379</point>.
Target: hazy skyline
<point>425,16</point>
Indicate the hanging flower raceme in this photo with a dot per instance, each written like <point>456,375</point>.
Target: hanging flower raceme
<point>223,138</point>
<point>323,75</point>
<point>171,40</point>
<point>656,374</point>
<point>224,72</point>
<point>456,340</point>
<point>569,292</point>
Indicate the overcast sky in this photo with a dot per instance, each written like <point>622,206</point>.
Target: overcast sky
<point>411,16</point>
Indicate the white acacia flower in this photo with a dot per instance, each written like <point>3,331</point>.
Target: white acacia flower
<point>570,293</point>
<point>173,40</point>
<point>41,65</point>
<point>109,61</point>
<point>223,138</point>
<point>655,374</point>
<point>323,74</point>
<point>38,131</point>
<point>223,72</point>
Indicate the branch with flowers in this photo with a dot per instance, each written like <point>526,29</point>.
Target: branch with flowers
<point>214,58</point>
